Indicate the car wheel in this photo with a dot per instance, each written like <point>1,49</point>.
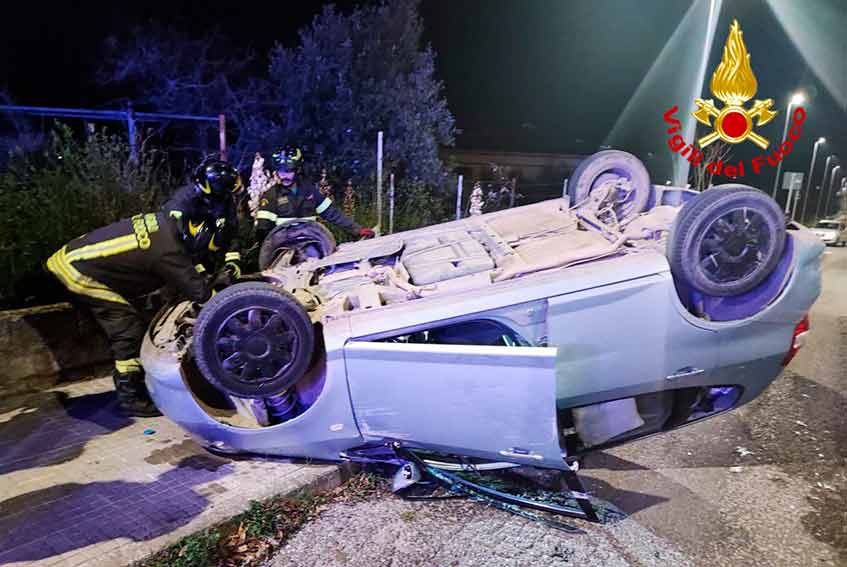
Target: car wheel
<point>253,340</point>
<point>612,166</point>
<point>304,239</point>
<point>726,240</point>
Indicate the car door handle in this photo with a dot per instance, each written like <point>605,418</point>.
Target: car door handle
<point>684,373</point>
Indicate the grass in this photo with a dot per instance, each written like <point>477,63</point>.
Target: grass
<point>251,537</point>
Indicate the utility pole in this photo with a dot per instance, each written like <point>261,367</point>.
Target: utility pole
<point>459,197</point>
<point>379,182</point>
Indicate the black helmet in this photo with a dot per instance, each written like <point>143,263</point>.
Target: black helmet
<point>217,179</point>
<point>287,159</point>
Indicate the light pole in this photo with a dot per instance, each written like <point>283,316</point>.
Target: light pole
<point>823,185</point>
<point>820,141</point>
<point>796,99</point>
<point>831,189</point>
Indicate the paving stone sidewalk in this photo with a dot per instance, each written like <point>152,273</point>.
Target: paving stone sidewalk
<point>81,486</point>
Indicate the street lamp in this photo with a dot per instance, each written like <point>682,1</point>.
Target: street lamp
<point>823,185</point>
<point>831,189</point>
<point>819,142</point>
<point>796,99</point>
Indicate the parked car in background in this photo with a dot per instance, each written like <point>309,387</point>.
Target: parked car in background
<point>831,231</point>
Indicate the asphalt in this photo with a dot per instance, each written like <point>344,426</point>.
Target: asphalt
<point>765,485</point>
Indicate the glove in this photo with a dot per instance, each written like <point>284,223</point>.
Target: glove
<point>221,280</point>
<point>366,232</point>
<point>234,268</point>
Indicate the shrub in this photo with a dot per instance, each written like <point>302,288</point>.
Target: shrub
<point>63,191</point>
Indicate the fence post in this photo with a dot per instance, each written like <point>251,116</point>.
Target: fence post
<point>391,205</point>
<point>459,197</point>
<point>378,228</point>
<point>222,136</point>
<point>133,143</point>
<point>512,194</point>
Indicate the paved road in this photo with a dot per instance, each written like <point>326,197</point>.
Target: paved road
<point>765,486</point>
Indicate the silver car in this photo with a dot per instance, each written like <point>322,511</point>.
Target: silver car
<point>530,335</point>
<point>831,231</point>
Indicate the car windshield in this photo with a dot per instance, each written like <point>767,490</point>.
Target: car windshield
<point>827,224</point>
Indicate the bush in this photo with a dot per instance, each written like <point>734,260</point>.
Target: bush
<point>67,189</point>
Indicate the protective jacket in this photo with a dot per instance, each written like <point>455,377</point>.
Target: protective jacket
<point>127,259</point>
<point>300,201</point>
<point>188,205</point>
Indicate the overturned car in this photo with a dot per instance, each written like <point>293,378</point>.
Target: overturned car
<point>528,336</point>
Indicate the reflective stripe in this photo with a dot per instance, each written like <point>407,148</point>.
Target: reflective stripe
<point>230,256</point>
<point>266,215</point>
<point>212,246</point>
<point>128,365</point>
<point>220,222</point>
<point>327,203</point>
<point>281,220</point>
<point>106,248</point>
<point>200,268</point>
<point>77,282</point>
<point>175,214</point>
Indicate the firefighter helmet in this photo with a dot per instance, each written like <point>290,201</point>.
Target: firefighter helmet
<point>217,179</point>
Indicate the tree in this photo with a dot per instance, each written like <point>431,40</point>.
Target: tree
<point>353,75</point>
<point>700,176</point>
<point>164,70</point>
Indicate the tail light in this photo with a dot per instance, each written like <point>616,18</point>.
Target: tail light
<point>799,339</point>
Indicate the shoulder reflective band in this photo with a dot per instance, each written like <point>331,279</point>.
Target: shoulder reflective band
<point>327,203</point>
<point>212,246</point>
<point>128,365</point>
<point>232,256</point>
<point>200,268</point>
<point>175,214</point>
<point>220,222</point>
<point>78,282</point>
<point>283,220</point>
<point>266,215</point>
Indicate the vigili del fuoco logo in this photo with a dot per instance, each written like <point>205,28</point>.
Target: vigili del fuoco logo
<point>734,84</point>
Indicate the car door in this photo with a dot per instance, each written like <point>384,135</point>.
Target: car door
<point>492,402</point>
<point>625,339</point>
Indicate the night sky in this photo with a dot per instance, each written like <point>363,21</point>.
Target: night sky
<point>530,75</point>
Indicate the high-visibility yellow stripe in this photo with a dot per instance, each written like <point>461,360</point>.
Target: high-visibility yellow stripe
<point>212,246</point>
<point>200,268</point>
<point>266,215</point>
<point>282,220</point>
<point>175,214</point>
<point>77,282</point>
<point>194,229</point>
<point>327,203</point>
<point>128,365</point>
<point>106,248</point>
<point>232,256</point>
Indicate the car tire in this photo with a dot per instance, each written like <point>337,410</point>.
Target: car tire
<point>296,235</point>
<point>608,164</point>
<point>726,240</point>
<point>253,340</point>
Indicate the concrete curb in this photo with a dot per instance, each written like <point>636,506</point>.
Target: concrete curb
<point>43,346</point>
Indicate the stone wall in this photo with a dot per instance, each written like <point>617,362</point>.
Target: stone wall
<point>43,346</point>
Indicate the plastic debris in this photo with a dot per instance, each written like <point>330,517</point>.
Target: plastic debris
<point>149,431</point>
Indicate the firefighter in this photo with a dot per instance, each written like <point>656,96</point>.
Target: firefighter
<point>210,201</point>
<point>292,198</point>
<point>109,267</point>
